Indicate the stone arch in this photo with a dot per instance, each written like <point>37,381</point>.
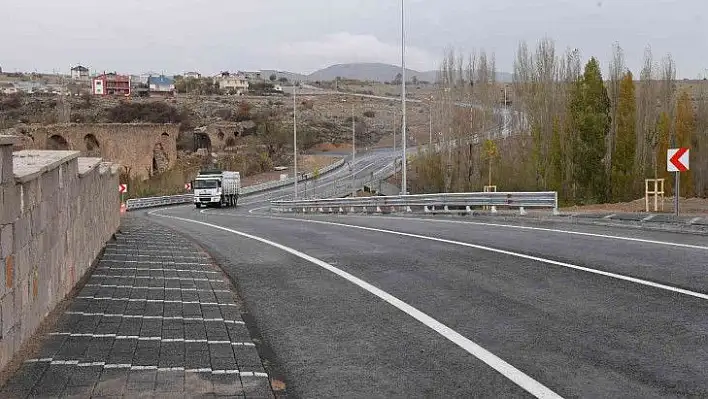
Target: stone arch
<point>165,136</point>
<point>57,142</point>
<point>160,159</point>
<point>93,148</point>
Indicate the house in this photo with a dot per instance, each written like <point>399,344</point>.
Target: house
<point>194,75</point>
<point>7,88</point>
<point>111,84</point>
<point>230,82</point>
<point>251,76</point>
<point>80,72</point>
<point>161,85</point>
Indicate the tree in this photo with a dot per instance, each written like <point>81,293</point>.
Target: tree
<point>397,80</point>
<point>272,77</point>
<point>590,108</point>
<point>283,79</point>
<point>625,143</point>
<point>685,132</point>
<point>616,76</point>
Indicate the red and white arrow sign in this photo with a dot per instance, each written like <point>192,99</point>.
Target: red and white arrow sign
<point>122,188</point>
<point>677,159</point>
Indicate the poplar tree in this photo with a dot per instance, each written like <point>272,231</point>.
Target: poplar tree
<point>625,144</point>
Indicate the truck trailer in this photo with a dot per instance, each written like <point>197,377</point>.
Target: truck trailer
<point>216,188</point>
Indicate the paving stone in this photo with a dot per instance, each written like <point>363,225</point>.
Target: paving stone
<point>132,367</point>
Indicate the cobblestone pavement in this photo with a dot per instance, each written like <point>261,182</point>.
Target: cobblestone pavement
<point>156,319</point>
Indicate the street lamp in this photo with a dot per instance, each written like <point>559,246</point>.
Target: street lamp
<point>353,147</point>
<point>295,136</point>
<point>404,187</point>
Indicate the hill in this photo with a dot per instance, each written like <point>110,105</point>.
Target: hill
<point>376,72</point>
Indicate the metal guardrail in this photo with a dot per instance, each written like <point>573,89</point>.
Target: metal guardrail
<point>149,202</point>
<point>138,203</point>
<point>448,202</point>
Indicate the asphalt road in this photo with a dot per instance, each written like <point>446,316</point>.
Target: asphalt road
<point>579,311</point>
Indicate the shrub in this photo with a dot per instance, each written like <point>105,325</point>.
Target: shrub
<point>153,112</point>
<point>369,114</point>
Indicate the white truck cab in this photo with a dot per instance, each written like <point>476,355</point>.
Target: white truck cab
<point>217,188</point>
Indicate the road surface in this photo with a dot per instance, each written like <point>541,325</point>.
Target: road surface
<point>376,306</point>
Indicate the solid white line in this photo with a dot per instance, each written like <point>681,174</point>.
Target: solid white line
<point>517,376</point>
<point>140,316</point>
<point>511,253</point>
<point>509,226</point>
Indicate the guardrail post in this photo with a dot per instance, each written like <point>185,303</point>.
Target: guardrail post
<point>320,210</point>
<point>341,210</point>
<point>468,209</point>
<point>555,204</point>
<point>352,210</point>
<point>408,209</point>
<point>378,209</point>
<point>446,209</point>
<point>522,211</point>
<point>425,209</point>
<point>494,209</point>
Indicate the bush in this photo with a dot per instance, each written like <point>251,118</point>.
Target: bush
<point>307,104</point>
<point>153,112</point>
<point>12,101</point>
<point>369,114</point>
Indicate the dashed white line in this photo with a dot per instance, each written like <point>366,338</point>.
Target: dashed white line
<point>152,300</point>
<point>158,278</point>
<point>154,262</point>
<point>512,373</point>
<point>148,317</point>
<point>147,367</point>
<point>151,338</point>
<point>156,270</point>
<point>154,288</point>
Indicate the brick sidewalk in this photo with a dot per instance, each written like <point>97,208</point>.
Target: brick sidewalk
<point>156,319</point>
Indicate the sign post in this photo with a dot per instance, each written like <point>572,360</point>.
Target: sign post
<point>677,162</point>
<point>122,189</point>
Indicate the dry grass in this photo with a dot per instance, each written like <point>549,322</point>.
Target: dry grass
<point>690,206</point>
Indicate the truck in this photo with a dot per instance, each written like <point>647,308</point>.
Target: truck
<point>216,188</point>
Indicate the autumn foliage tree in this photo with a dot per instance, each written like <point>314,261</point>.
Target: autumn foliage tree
<point>685,132</point>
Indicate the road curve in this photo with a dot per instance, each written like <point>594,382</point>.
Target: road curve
<point>371,306</point>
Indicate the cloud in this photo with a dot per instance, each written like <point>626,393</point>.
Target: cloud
<point>344,47</point>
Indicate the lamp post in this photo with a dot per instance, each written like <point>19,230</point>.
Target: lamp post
<point>295,136</point>
<point>353,146</point>
<point>404,187</point>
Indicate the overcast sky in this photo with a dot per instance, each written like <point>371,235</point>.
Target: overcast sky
<point>174,36</point>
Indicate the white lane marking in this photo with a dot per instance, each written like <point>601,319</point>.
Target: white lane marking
<point>140,269</point>
<point>108,298</point>
<point>155,262</point>
<point>149,338</point>
<point>154,288</point>
<point>517,376</point>
<point>148,317</point>
<point>158,278</point>
<point>146,367</point>
<point>570,232</point>
<point>515,254</point>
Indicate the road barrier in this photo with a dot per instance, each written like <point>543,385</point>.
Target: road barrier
<point>430,203</point>
<point>149,202</point>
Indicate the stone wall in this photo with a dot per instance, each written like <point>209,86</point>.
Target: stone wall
<point>57,212</point>
<point>142,148</point>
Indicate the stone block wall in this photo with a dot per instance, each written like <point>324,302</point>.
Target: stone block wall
<point>57,212</point>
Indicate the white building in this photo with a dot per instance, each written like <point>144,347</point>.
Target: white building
<point>80,72</point>
<point>194,75</point>
<point>232,82</point>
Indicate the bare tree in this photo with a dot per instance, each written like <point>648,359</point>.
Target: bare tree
<point>647,116</point>
<point>617,69</point>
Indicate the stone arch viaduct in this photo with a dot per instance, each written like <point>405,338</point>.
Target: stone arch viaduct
<point>143,149</point>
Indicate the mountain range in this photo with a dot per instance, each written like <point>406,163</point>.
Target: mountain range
<point>377,72</point>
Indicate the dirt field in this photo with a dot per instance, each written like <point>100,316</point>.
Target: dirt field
<point>697,206</point>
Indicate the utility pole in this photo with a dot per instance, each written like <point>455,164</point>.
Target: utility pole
<point>353,135</point>
<point>295,136</point>
<point>404,187</point>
